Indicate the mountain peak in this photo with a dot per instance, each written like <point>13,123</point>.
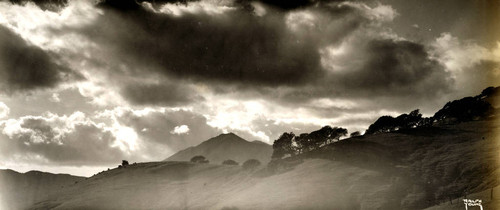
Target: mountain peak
<point>228,134</point>
<point>226,137</point>
<point>226,146</point>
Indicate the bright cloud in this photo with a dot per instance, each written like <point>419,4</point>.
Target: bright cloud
<point>179,130</point>
<point>4,110</point>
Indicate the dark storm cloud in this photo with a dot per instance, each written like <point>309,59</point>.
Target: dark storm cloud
<point>130,5</point>
<point>397,68</point>
<point>27,67</point>
<point>51,5</point>
<point>380,74</point>
<point>292,4</point>
<point>235,47</point>
<point>166,94</point>
<point>240,51</point>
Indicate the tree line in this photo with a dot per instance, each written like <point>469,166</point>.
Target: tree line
<point>290,144</point>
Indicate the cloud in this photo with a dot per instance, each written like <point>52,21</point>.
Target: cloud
<point>181,129</point>
<point>233,50</point>
<point>231,47</point>
<point>81,140</point>
<point>155,49</point>
<point>4,110</point>
<point>27,67</point>
<point>155,126</point>
<point>472,66</point>
<point>54,139</point>
<point>51,5</point>
<point>164,94</point>
<point>55,98</point>
<point>292,4</point>
<point>390,67</point>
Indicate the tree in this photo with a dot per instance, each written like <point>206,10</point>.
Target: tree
<point>229,162</point>
<point>124,163</point>
<point>465,109</point>
<point>323,136</point>
<point>355,133</point>
<point>199,159</point>
<point>251,164</point>
<point>383,124</point>
<point>302,142</point>
<point>338,132</point>
<point>290,144</point>
<point>386,124</point>
<point>283,146</point>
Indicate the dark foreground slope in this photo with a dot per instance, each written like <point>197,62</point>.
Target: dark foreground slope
<point>20,190</point>
<point>411,169</point>
<point>427,166</point>
<point>226,146</point>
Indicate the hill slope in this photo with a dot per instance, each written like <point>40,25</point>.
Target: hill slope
<point>429,165</point>
<point>226,146</point>
<point>20,190</point>
<point>318,184</point>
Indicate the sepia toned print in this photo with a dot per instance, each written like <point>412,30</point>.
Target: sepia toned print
<point>249,104</point>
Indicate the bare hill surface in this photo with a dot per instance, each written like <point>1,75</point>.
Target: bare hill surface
<point>224,147</point>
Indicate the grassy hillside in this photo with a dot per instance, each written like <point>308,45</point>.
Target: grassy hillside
<point>428,165</point>
<point>490,200</point>
<point>226,146</point>
<point>20,190</point>
<point>318,184</point>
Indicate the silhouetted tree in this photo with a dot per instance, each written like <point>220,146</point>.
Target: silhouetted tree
<point>388,124</point>
<point>229,162</point>
<point>251,164</point>
<point>338,132</point>
<point>124,163</point>
<point>199,159</point>
<point>326,135</point>
<point>465,109</point>
<point>411,120</point>
<point>302,143</point>
<point>355,133</point>
<point>283,146</point>
<point>290,144</point>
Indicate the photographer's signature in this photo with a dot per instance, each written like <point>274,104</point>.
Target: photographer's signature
<point>469,202</point>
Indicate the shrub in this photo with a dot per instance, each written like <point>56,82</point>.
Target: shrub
<point>251,164</point>
<point>229,162</point>
<point>355,133</point>
<point>199,159</point>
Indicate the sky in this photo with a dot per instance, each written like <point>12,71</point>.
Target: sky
<point>86,84</point>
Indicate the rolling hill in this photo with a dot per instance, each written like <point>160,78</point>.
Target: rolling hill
<point>315,183</point>
<point>20,190</point>
<point>226,146</point>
